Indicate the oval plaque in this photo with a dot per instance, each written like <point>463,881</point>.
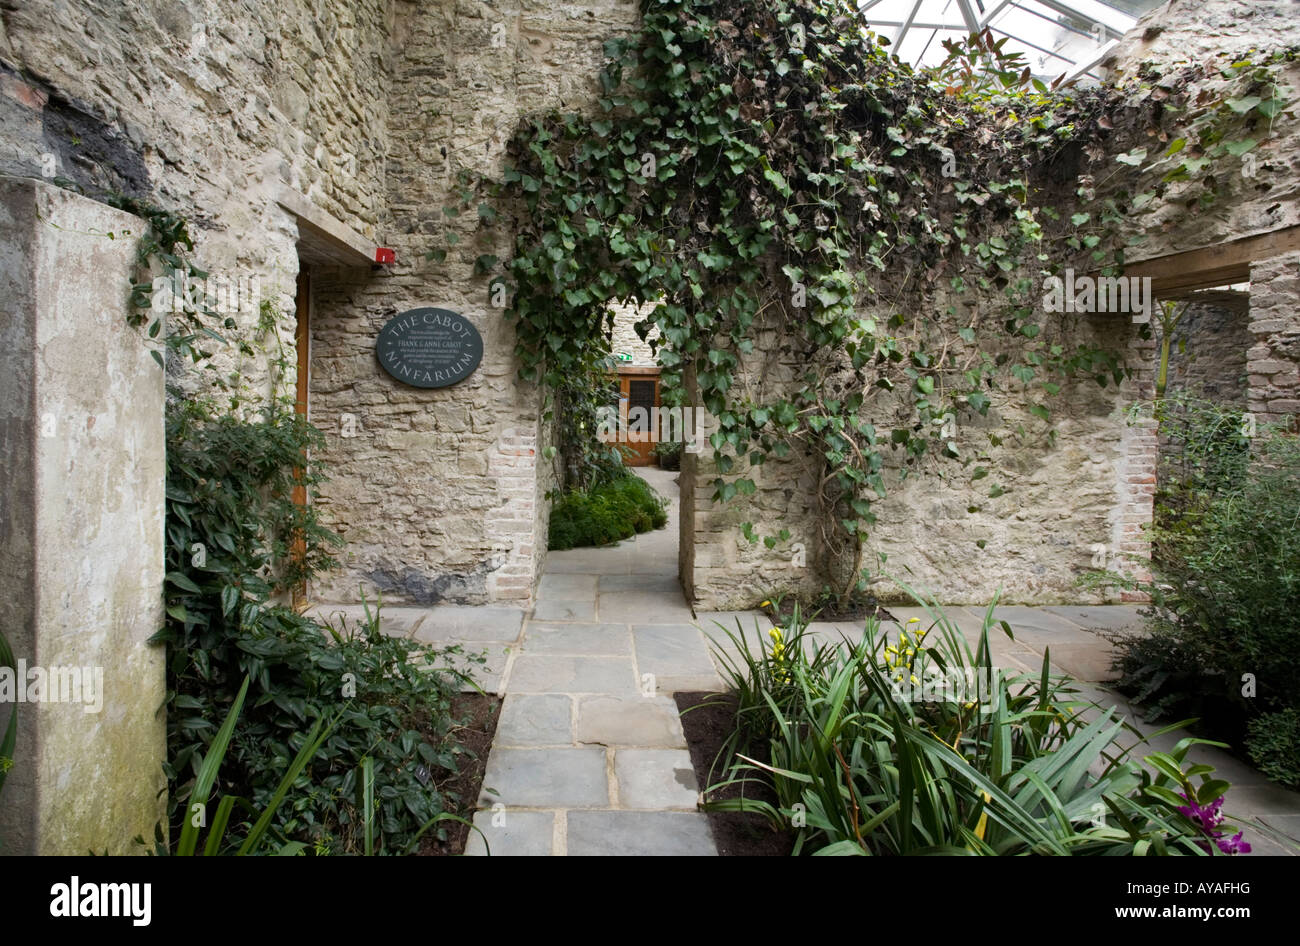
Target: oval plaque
<point>429,348</point>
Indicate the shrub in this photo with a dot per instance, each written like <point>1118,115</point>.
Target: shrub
<point>668,454</point>
<point>606,513</point>
<point>919,747</point>
<point>1224,626</point>
<point>235,540</point>
<point>1274,740</point>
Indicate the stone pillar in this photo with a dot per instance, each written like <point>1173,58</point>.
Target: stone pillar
<point>1273,362</point>
<point>83,464</point>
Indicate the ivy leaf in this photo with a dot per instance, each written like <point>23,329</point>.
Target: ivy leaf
<point>1238,148</point>
<point>1132,158</point>
<point>1243,105</point>
<point>1080,219</point>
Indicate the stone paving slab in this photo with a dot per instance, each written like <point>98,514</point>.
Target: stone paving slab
<point>537,778</point>
<point>677,655</point>
<point>665,584</point>
<point>1038,626</point>
<point>593,640</point>
<point>553,609</point>
<point>709,620</point>
<point>639,834</point>
<point>535,719</point>
<point>630,721</point>
<point>1100,617</point>
<point>655,779</point>
<point>570,674</point>
<point>447,622</point>
<point>607,561</point>
<point>514,834</point>
<point>644,607</point>
<point>567,587</point>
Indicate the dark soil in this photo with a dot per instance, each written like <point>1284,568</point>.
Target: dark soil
<point>831,610</point>
<point>708,719</point>
<point>480,714</point>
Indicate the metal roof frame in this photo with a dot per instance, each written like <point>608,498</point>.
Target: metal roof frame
<point>1089,19</point>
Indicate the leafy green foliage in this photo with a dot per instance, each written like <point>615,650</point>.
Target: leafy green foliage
<point>769,164</point>
<point>668,454</point>
<point>614,510</point>
<point>235,539</point>
<point>1007,764</point>
<point>1224,630</point>
<point>1274,741</point>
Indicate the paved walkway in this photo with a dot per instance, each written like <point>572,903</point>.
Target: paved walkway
<point>589,756</point>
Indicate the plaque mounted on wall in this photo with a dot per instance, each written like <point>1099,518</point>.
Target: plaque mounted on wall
<point>429,348</point>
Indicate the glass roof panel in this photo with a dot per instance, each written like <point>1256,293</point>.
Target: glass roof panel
<point>1055,36</point>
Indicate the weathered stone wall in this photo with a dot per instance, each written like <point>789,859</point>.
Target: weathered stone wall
<point>1086,499</point>
<point>1273,361</point>
<point>625,340</point>
<point>209,109</point>
<point>942,531</point>
<point>1259,192</point>
<point>440,494</point>
<point>1211,361</point>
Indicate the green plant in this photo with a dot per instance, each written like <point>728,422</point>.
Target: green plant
<point>668,454</point>
<point>740,181</point>
<point>1274,740</point>
<point>614,510</point>
<point>216,842</point>
<point>235,539</point>
<point>1223,635</point>
<point>919,746</point>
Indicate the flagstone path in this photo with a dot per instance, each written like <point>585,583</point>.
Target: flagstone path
<point>589,756</point>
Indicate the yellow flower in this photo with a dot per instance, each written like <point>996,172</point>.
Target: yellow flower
<point>775,634</point>
<point>913,620</point>
<point>766,604</point>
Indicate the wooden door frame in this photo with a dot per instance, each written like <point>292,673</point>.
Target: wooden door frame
<point>301,402</point>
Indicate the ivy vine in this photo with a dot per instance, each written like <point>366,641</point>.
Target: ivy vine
<point>772,167</point>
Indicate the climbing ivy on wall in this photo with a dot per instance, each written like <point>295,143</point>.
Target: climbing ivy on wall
<point>770,164</point>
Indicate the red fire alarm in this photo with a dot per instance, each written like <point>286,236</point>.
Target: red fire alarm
<point>384,255</point>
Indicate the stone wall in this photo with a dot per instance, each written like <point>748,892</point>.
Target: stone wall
<point>1214,336</point>
<point>1260,193</point>
<point>210,109</point>
<point>625,341</point>
<point>440,495</point>
<point>1029,529</point>
<point>1273,361</point>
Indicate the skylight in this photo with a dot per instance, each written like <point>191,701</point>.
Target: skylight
<point>1057,37</point>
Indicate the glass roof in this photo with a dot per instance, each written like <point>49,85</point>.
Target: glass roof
<point>1057,37</point>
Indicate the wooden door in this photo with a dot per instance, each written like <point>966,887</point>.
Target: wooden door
<point>638,401</point>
